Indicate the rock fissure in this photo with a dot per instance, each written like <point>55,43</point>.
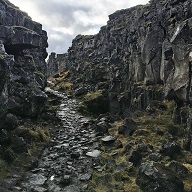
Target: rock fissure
<point>133,78</point>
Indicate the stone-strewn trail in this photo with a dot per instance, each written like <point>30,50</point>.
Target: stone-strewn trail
<point>64,165</point>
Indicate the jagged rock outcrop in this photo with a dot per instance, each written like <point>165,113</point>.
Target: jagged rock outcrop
<point>22,63</point>
<point>57,63</point>
<point>142,54</point>
<point>154,177</point>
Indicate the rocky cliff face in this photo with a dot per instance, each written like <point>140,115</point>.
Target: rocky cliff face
<point>22,64</point>
<point>57,63</point>
<point>142,54</point>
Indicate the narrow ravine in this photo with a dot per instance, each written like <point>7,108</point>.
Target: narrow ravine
<point>66,165</point>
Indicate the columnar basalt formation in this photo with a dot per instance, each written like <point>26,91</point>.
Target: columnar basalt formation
<point>57,63</point>
<point>142,54</point>
<point>22,63</point>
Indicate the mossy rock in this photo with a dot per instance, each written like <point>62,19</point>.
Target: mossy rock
<point>39,74</point>
<point>96,102</point>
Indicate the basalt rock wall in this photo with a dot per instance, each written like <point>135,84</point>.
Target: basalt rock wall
<point>57,63</point>
<point>142,54</point>
<point>22,63</point>
<point>142,46</point>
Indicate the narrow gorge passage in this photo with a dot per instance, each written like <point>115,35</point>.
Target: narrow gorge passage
<point>64,165</point>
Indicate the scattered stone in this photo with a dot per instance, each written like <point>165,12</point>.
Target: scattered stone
<point>118,144</point>
<point>39,189</point>
<point>155,177</point>
<point>135,157</point>
<point>81,91</point>
<point>102,127</point>
<point>37,179</point>
<point>142,147</point>
<point>128,127</point>
<point>94,153</point>
<point>85,177</point>
<point>155,157</point>
<point>108,139</point>
<point>71,188</point>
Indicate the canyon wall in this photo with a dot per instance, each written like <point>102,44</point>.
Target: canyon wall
<point>22,64</point>
<point>143,54</point>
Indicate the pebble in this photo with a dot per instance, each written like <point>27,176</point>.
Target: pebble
<point>108,139</point>
<point>94,153</point>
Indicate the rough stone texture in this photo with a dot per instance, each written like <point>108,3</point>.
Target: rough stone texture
<point>22,63</point>
<point>143,54</point>
<point>155,177</point>
<point>56,63</point>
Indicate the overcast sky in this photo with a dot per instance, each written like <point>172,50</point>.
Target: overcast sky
<point>64,19</point>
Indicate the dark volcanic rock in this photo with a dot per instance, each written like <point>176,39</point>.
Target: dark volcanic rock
<point>155,177</point>
<point>56,63</point>
<point>170,149</point>
<point>142,55</point>
<point>128,127</point>
<point>81,91</point>
<point>19,145</point>
<point>135,157</point>
<point>11,122</point>
<point>108,140</point>
<point>3,136</point>
<point>180,169</point>
<point>22,63</point>
<point>94,153</point>
<point>102,127</point>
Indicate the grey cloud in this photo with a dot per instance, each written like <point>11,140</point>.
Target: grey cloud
<point>64,19</point>
<point>60,46</point>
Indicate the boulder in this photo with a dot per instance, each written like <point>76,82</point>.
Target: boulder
<point>102,127</point>
<point>155,177</point>
<point>170,149</point>
<point>180,169</point>
<point>128,127</point>
<point>135,157</point>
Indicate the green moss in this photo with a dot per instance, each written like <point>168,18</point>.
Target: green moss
<point>38,73</point>
<point>1,57</point>
<point>24,28</point>
<point>39,134</point>
<point>92,95</point>
<point>95,103</point>
<point>147,13</point>
<point>16,84</point>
